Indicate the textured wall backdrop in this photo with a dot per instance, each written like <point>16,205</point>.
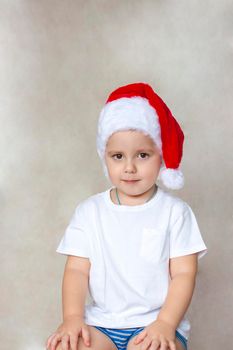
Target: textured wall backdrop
<point>58,62</point>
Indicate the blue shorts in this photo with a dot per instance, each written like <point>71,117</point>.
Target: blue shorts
<point>121,337</point>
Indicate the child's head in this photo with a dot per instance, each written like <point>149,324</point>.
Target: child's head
<point>144,117</point>
<point>132,155</point>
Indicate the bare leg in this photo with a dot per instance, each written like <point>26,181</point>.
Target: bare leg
<point>99,341</point>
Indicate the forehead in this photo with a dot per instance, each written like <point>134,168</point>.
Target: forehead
<point>129,138</point>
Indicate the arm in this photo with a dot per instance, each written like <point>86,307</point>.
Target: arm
<point>75,286</point>
<point>183,272</point>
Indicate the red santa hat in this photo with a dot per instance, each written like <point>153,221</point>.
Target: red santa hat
<point>137,106</point>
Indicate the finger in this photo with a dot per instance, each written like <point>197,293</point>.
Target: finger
<point>164,345</point>
<point>172,345</point>
<point>140,337</point>
<point>74,342</point>
<point>65,342</point>
<point>86,336</point>
<point>146,343</point>
<point>48,341</point>
<point>154,345</point>
<point>54,341</point>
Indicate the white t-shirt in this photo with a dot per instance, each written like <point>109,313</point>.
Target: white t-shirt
<point>129,249</point>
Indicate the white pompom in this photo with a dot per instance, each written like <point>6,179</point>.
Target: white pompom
<point>171,178</point>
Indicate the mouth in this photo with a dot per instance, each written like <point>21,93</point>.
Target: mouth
<point>130,181</point>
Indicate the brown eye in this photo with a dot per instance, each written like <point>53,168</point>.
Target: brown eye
<point>144,155</point>
<point>118,156</point>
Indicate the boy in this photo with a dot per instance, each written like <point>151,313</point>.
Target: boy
<point>135,246</point>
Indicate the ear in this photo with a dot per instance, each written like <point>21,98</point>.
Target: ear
<point>161,159</point>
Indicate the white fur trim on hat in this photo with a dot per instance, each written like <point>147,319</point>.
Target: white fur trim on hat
<point>124,114</point>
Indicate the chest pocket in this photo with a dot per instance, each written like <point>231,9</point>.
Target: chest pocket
<point>153,245</point>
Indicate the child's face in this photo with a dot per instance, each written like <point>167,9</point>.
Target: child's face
<point>132,155</point>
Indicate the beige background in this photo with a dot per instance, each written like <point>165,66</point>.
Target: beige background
<point>58,62</point>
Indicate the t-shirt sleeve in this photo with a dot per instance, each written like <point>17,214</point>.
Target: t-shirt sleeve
<point>185,236</point>
<point>75,239</point>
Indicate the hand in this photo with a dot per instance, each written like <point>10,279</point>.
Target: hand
<point>68,333</point>
<point>157,335</point>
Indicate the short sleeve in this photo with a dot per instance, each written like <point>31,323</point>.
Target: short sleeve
<point>185,236</point>
<point>75,238</point>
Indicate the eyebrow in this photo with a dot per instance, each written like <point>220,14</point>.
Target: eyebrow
<point>139,150</point>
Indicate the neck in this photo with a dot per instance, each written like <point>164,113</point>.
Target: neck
<point>145,197</point>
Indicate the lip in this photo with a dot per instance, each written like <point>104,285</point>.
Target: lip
<point>130,181</point>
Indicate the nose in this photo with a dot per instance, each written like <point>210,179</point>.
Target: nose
<point>130,166</point>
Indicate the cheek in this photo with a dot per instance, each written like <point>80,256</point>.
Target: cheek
<point>113,168</point>
<point>158,161</point>
<point>152,168</point>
